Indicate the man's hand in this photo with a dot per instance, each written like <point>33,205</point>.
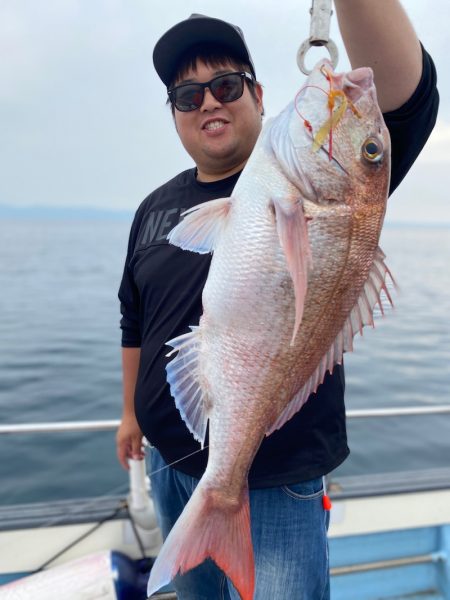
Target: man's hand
<point>129,440</point>
<point>129,436</point>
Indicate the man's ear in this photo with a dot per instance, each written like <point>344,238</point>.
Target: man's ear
<point>259,97</point>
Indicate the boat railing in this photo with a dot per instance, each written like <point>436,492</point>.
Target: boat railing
<point>23,516</point>
<point>345,488</point>
<point>113,424</point>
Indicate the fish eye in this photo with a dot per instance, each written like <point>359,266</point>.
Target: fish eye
<point>372,149</point>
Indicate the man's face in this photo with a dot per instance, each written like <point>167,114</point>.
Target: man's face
<point>219,136</point>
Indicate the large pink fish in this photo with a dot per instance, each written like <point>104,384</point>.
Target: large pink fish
<point>296,272</point>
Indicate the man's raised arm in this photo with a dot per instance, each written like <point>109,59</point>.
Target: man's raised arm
<point>379,34</point>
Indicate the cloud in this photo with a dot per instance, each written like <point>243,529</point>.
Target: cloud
<point>82,112</point>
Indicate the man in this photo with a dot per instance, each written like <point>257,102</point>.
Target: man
<point>218,124</point>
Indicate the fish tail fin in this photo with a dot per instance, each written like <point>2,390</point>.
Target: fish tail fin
<point>210,526</point>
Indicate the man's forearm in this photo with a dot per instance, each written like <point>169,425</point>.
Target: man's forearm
<point>130,367</point>
<point>379,34</point>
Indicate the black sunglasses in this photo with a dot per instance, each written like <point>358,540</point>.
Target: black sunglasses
<point>224,88</point>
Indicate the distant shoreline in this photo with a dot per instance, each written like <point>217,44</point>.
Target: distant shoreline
<point>72,213</point>
<point>78,213</point>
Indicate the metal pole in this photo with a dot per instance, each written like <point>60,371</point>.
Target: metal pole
<point>388,564</point>
<point>113,424</point>
<point>59,427</point>
<point>319,34</point>
<point>368,413</point>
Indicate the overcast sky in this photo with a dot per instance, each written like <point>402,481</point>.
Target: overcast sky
<point>83,120</point>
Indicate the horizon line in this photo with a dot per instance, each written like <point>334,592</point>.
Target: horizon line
<point>45,211</point>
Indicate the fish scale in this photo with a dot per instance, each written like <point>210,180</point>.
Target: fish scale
<point>296,273</point>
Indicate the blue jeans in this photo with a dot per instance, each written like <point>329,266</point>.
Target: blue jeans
<point>289,534</point>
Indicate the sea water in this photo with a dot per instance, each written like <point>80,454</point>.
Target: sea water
<point>60,357</point>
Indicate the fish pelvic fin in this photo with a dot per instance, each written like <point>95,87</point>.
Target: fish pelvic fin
<point>293,235</point>
<point>210,526</point>
<point>182,376</point>
<point>201,227</point>
<point>361,315</point>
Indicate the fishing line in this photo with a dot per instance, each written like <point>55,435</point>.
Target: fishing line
<point>335,113</point>
<point>306,123</point>
<point>118,490</point>
<point>177,461</point>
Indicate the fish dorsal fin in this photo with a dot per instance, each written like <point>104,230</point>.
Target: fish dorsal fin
<point>360,315</point>
<point>182,376</point>
<point>293,235</point>
<point>201,226</point>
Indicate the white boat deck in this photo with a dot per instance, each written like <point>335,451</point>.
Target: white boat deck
<point>389,533</point>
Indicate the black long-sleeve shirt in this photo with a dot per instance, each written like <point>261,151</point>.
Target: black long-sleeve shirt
<point>160,297</point>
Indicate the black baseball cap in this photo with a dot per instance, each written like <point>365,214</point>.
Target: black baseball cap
<point>170,48</point>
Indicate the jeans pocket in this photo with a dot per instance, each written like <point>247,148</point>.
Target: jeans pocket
<point>304,490</point>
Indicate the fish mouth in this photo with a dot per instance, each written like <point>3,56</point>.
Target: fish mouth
<point>354,84</point>
<point>362,76</point>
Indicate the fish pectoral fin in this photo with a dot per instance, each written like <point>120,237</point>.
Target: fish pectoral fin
<point>182,376</point>
<point>201,226</point>
<point>293,235</point>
